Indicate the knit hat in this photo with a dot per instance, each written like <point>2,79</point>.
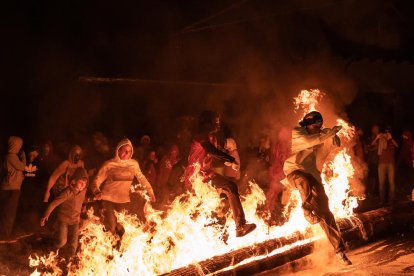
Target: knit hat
<point>311,118</point>
<point>79,173</point>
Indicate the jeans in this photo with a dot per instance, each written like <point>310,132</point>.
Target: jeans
<point>231,190</point>
<point>9,199</point>
<point>316,206</point>
<point>68,238</point>
<point>384,170</point>
<point>110,221</point>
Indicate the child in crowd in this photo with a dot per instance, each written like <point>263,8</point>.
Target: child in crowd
<point>68,217</point>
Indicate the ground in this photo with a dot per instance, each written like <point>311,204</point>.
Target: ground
<point>393,255</point>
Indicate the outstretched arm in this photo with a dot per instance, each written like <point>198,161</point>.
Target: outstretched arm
<point>53,178</point>
<point>215,152</point>
<point>55,203</point>
<point>144,182</point>
<point>301,140</point>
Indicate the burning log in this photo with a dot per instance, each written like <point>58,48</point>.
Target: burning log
<point>356,230</point>
<point>219,262</point>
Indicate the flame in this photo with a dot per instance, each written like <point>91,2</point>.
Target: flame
<point>335,177</point>
<point>194,228</point>
<point>307,100</point>
<point>173,239</point>
<point>347,132</point>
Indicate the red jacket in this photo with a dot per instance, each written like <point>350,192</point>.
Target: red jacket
<point>202,151</point>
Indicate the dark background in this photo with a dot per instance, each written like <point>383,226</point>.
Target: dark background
<point>245,59</point>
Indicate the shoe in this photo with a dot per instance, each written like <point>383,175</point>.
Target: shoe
<point>341,257</point>
<point>245,229</point>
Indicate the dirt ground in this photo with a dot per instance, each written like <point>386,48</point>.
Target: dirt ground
<point>393,255</point>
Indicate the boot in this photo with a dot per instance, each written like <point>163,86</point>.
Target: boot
<point>341,257</point>
<point>245,229</point>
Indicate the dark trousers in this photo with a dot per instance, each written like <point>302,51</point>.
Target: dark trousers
<point>110,221</point>
<point>9,200</point>
<point>372,181</point>
<point>230,189</point>
<point>316,206</point>
<point>68,238</point>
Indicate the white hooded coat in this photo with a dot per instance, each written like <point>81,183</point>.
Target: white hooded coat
<point>114,178</point>
<point>309,152</point>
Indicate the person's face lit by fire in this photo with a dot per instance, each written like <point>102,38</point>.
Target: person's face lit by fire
<point>314,128</point>
<point>152,156</point>
<point>174,151</point>
<point>375,130</point>
<point>80,184</point>
<point>77,155</point>
<point>215,126</point>
<point>46,149</point>
<point>125,152</point>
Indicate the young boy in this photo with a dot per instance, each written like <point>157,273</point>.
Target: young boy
<point>68,217</point>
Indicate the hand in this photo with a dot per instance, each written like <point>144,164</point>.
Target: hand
<point>336,141</point>
<point>235,166</point>
<point>22,155</point>
<point>152,197</point>
<point>46,198</point>
<point>228,164</point>
<point>336,129</point>
<point>43,221</point>
<point>98,196</point>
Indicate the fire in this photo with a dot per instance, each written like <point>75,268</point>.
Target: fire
<point>307,100</point>
<point>336,185</point>
<point>194,228</point>
<point>188,233</point>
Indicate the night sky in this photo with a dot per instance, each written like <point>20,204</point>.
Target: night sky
<point>260,52</point>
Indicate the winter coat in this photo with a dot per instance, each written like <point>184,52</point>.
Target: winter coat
<point>59,179</point>
<point>309,152</point>
<point>13,166</point>
<point>114,178</point>
<point>70,205</point>
<point>202,151</point>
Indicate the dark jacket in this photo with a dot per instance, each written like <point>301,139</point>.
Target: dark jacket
<point>70,201</point>
<point>13,165</point>
<point>202,151</point>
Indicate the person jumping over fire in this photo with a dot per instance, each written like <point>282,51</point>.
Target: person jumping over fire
<point>310,146</point>
<point>112,184</point>
<point>202,152</point>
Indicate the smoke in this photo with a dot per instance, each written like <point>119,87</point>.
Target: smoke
<point>262,65</point>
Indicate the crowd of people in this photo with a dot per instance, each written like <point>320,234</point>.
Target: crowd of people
<point>36,179</point>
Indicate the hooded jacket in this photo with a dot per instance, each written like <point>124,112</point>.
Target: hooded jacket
<point>202,151</point>
<point>114,178</point>
<point>63,172</point>
<point>13,166</point>
<point>69,201</point>
<point>309,152</point>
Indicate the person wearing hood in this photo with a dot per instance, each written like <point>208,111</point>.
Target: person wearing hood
<point>13,166</point>
<point>68,214</point>
<point>59,179</point>
<point>310,147</point>
<point>113,183</point>
<point>202,152</point>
